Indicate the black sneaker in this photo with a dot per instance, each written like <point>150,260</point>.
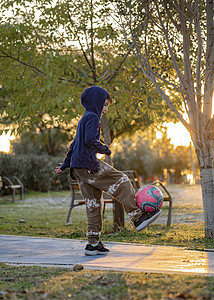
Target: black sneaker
<point>96,250</point>
<point>146,219</point>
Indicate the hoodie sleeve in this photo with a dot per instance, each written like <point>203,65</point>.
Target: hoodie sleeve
<point>91,131</point>
<point>67,161</point>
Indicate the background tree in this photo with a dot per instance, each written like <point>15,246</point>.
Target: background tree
<point>52,141</point>
<point>150,156</point>
<point>49,52</point>
<point>179,31</point>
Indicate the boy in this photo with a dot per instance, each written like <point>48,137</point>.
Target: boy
<point>95,176</point>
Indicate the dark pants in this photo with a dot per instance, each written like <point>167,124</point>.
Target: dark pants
<point>111,181</point>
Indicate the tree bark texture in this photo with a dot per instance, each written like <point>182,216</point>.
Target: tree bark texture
<point>207,185</point>
<point>204,152</point>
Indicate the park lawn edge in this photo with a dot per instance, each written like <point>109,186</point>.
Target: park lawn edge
<point>39,282</point>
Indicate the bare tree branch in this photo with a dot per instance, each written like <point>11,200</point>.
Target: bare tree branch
<point>145,60</point>
<point>178,6</point>
<point>81,46</point>
<point>135,75</point>
<point>197,15</point>
<point>170,16</point>
<point>176,67</point>
<point>151,77</point>
<point>163,95</point>
<point>109,78</point>
<point>58,54</point>
<point>23,63</point>
<point>92,44</point>
<point>187,67</point>
<point>38,71</point>
<point>209,77</point>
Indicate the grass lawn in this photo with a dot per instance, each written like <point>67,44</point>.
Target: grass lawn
<point>45,215</point>
<point>59,283</point>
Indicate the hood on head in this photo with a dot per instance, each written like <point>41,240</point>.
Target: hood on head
<point>93,99</point>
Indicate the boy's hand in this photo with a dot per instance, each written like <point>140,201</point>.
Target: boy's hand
<point>58,170</point>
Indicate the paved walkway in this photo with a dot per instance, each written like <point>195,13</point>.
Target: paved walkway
<point>123,256</point>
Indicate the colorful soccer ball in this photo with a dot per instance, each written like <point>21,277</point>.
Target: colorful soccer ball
<point>149,198</point>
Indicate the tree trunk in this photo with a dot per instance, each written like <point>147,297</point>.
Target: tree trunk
<point>118,212</point>
<point>205,153</point>
<point>205,159</point>
<point>192,163</point>
<point>207,185</point>
<point>106,135</point>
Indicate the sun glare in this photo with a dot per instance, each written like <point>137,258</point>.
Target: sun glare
<point>5,141</point>
<point>178,134</point>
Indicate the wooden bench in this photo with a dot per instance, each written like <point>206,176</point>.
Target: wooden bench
<point>14,184</point>
<point>76,196</point>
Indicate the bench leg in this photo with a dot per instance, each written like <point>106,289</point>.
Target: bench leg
<point>69,213</point>
<point>13,196</point>
<point>21,193</point>
<point>169,219</point>
<point>104,207</point>
<point>71,205</point>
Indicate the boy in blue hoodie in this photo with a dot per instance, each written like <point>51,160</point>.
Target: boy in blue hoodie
<point>95,176</point>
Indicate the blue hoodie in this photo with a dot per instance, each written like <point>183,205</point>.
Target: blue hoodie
<point>83,149</point>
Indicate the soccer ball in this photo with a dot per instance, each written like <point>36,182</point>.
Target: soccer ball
<point>149,198</point>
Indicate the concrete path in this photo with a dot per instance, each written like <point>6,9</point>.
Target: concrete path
<point>123,256</point>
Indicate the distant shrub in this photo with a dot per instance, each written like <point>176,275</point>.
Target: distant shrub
<point>35,171</point>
